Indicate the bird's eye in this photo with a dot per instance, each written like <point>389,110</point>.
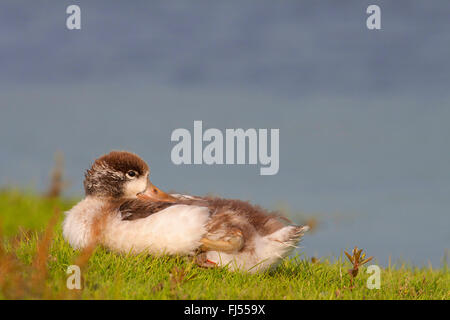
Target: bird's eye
<point>131,174</point>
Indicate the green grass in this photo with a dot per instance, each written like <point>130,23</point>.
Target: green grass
<point>28,271</point>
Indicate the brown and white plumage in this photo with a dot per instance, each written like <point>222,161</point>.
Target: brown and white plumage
<point>127,213</point>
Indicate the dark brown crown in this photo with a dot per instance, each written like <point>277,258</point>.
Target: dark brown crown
<point>107,175</point>
<point>123,161</point>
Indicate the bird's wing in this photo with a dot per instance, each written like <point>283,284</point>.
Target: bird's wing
<point>141,208</point>
<point>185,197</point>
<point>138,209</point>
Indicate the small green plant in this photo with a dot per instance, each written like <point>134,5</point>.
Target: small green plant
<point>357,260</point>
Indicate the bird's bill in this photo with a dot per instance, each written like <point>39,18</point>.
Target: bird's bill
<point>155,194</point>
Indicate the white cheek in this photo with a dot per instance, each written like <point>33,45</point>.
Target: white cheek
<point>133,187</point>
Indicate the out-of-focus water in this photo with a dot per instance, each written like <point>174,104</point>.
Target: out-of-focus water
<point>363,115</point>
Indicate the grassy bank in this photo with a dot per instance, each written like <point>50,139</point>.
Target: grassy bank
<point>34,259</point>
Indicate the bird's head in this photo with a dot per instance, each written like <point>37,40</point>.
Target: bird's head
<point>121,174</point>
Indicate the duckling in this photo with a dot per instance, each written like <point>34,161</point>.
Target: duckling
<point>124,212</point>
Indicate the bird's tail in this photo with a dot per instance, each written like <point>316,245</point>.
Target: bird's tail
<point>288,236</point>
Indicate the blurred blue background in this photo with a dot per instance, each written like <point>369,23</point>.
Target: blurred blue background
<point>363,115</point>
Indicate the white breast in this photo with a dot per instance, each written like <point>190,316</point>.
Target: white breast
<point>174,230</point>
<point>77,226</point>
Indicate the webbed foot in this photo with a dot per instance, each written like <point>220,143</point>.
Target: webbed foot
<point>233,241</point>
